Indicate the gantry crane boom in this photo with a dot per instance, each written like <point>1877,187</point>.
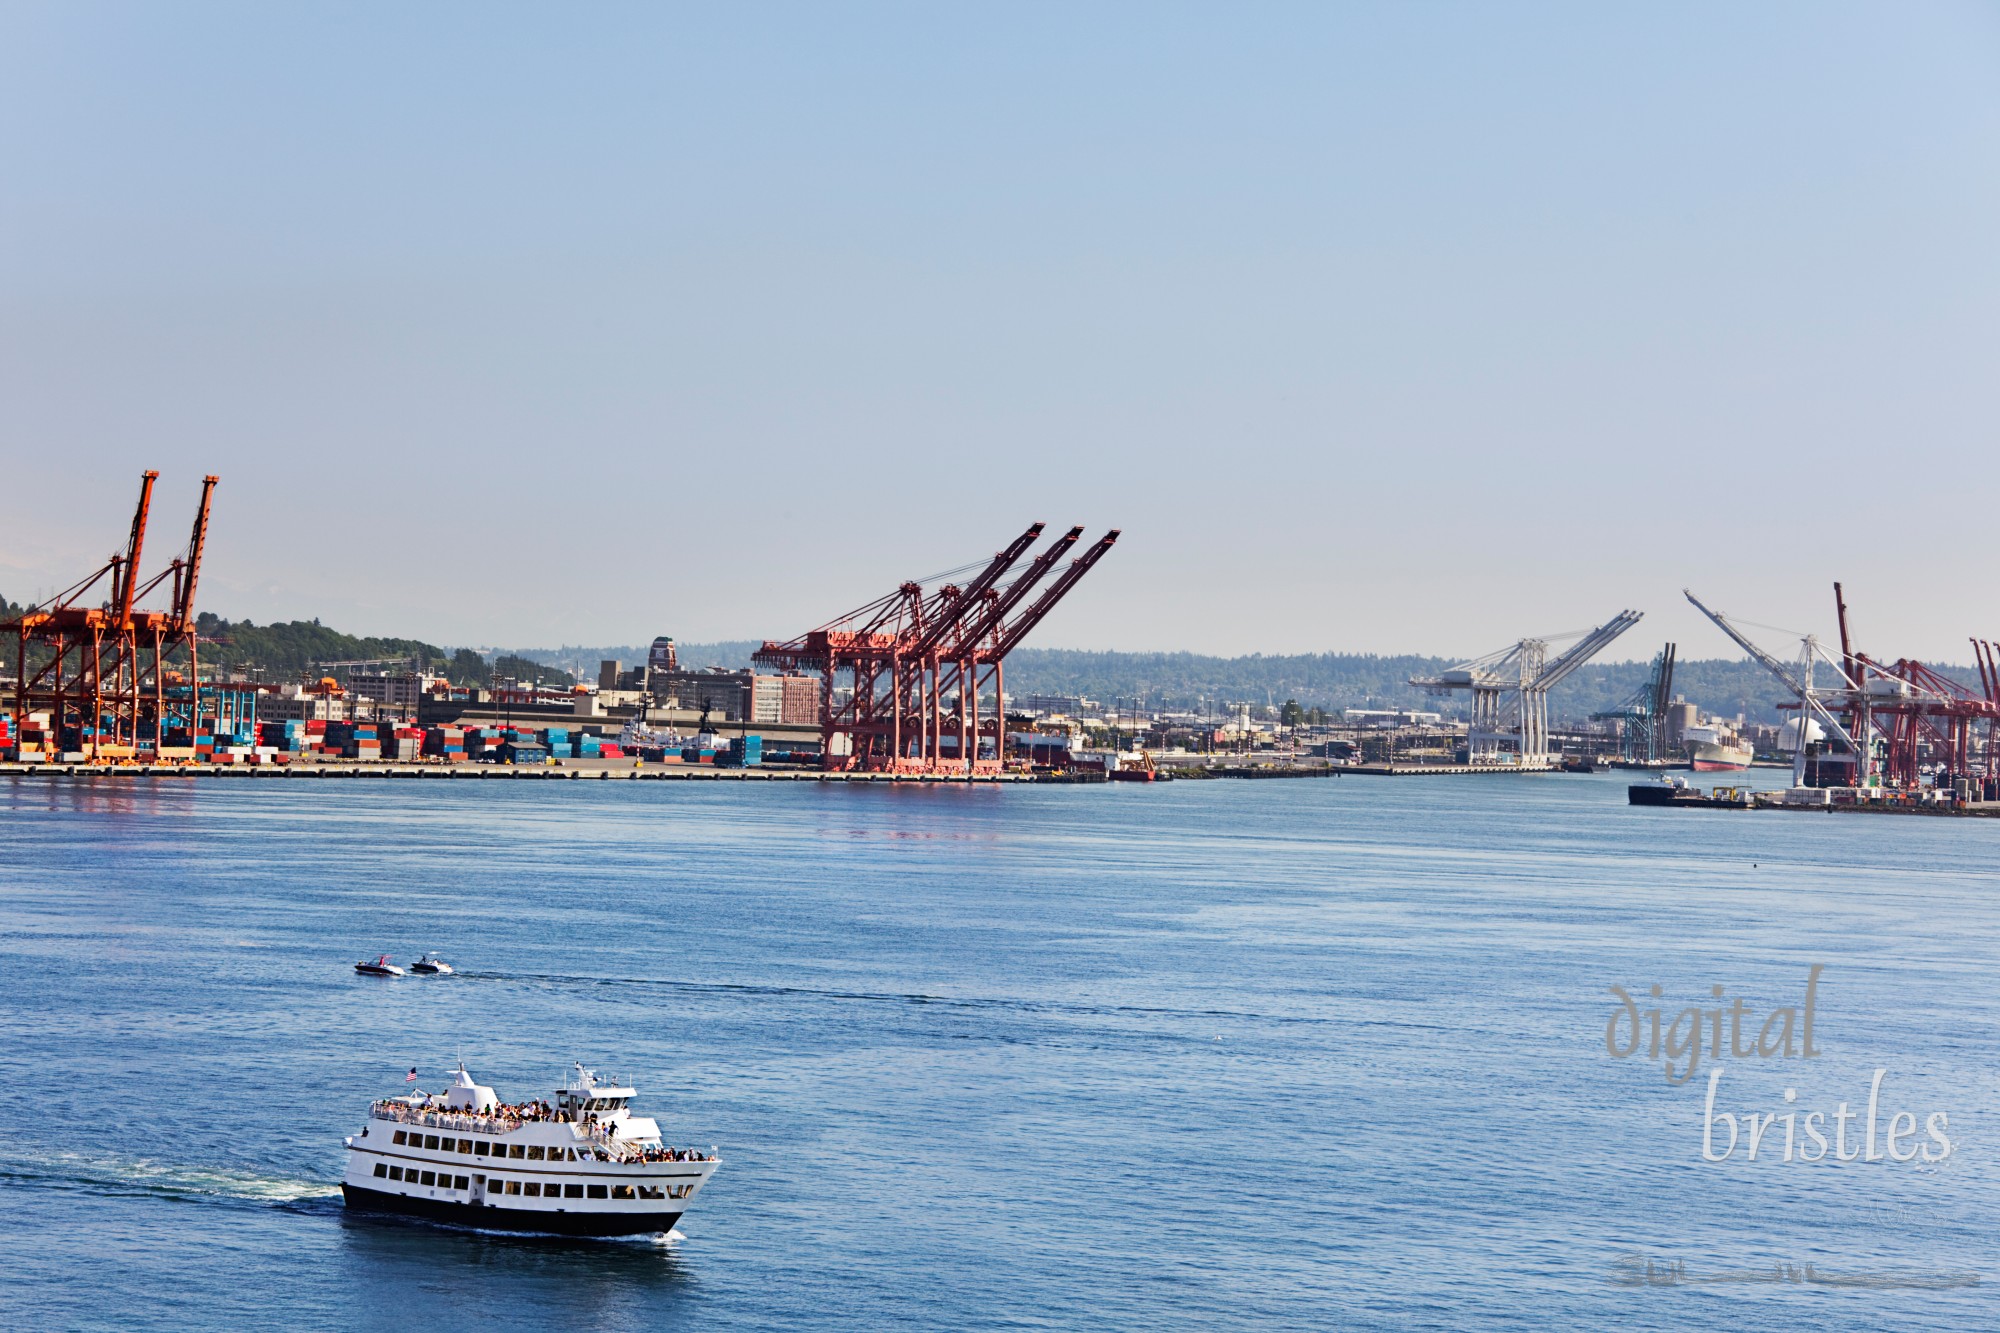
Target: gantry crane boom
<point>1014,633</point>
<point>197,542</point>
<point>1801,689</point>
<point>988,619</point>
<point>1589,646</point>
<point>126,581</point>
<point>968,596</point>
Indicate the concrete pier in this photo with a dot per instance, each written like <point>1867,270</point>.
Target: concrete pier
<point>484,772</point>
<point>1415,770</point>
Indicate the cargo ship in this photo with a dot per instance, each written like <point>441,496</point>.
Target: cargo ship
<point>583,1165</point>
<point>1712,750</point>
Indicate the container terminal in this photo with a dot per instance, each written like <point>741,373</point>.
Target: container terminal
<point>911,686</point>
<point>897,688</point>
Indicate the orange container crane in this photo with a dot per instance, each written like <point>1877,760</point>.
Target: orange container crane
<point>98,669</point>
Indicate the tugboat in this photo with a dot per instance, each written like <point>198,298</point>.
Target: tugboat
<point>580,1166</point>
<point>1143,771</point>
<point>381,967</point>
<point>432,965</point>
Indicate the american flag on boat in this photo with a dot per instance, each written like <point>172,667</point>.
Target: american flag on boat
<point>410,1077</point>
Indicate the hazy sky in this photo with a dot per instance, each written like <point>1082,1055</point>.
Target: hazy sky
<point>1393,327</point>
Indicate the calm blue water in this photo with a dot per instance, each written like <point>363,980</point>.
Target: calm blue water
<point>1282,1054</point>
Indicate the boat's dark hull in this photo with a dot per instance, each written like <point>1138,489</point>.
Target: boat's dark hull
<point>509,1219</point>
<point>1656,793</point>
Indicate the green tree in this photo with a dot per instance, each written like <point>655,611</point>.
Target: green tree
<point>512,666</point>
<point>467,667</point>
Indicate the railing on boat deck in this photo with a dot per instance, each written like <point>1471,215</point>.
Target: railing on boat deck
<point>606,1148</point>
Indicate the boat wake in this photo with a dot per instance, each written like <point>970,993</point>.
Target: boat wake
<point>567,980</point>
<point>130,1178</point>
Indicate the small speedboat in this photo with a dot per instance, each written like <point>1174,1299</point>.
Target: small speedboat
<point>381,967</point>
<point>432,965</point>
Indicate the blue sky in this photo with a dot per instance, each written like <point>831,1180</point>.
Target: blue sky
<point>1407,327</point>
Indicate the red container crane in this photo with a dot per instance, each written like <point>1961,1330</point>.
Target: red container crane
<point>901,677</point>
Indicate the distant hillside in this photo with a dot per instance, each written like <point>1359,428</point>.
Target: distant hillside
<point>1356,680</point>
<point>293,648</point>
<point>732,655</point>
<point>1191,681</point>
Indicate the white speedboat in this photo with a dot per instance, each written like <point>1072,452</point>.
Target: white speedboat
<point>381,967</point>
<point>582,1165</point>
<point>431,965</point>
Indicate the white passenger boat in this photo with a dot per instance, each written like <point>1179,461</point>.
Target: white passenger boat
<point>581,1165</point>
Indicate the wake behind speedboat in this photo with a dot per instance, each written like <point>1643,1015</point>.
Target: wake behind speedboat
<point>432,965</point>
<point>381,967</point>
<point>582,1166</point>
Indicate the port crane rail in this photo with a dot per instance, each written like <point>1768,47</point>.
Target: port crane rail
<point>1510,692</point>
<point>901,677</point>
<point>102,669</point>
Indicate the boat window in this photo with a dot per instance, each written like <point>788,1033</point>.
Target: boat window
<point>460,1183</point>
<point>534,1189</point>
<point>479,1149</point>
<point>465,1145</point>
<point>381,1168</point>
<point>599,1192</point>
<point>429,1178</point>
<point>572,1191</point>
<point>515,1150</point>
<point>431,1142</point>
<point>622,1192</point>
<point>535,1153</point>
<point>395,1173</point>
<point>402,1136</point>
<point>513,1187</point>
<point>651,1192</point>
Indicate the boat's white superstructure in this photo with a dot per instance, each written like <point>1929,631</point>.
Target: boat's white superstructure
<point>580,1165</point>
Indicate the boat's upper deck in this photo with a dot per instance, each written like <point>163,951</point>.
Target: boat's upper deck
<point>590,1117</point>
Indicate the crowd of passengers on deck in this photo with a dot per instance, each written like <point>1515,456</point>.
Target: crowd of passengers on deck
<point>506,1118</point>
